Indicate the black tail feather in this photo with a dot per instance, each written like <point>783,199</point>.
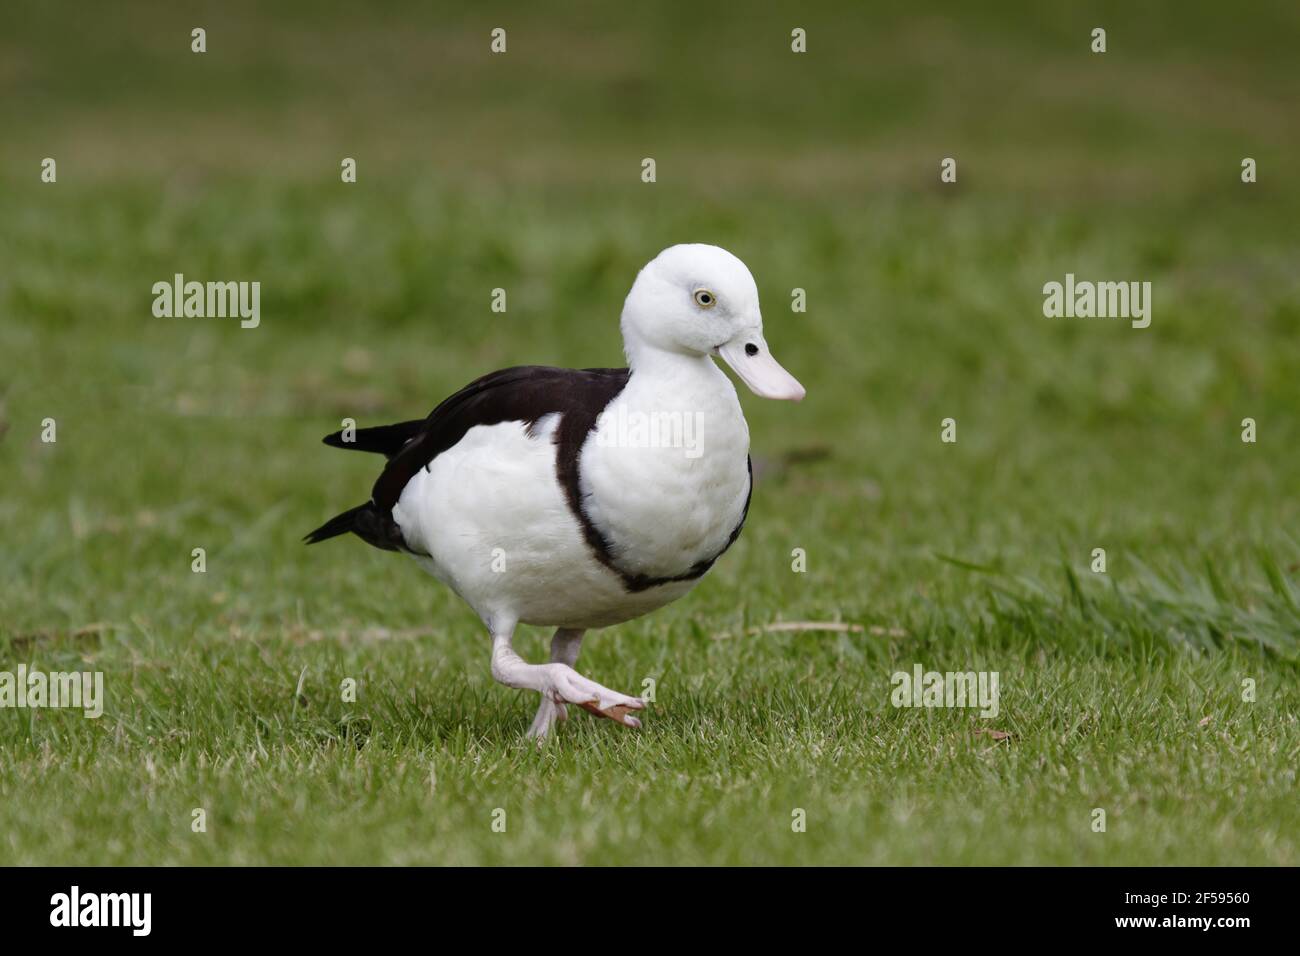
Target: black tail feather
<point>386,440</point>
<point>339,524</point>
<point>368,523</point>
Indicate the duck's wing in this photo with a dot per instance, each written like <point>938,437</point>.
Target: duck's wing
<point>522,394</point>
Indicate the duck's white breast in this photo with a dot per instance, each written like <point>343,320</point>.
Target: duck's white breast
<point>492,522</point>
<point>665,474</point>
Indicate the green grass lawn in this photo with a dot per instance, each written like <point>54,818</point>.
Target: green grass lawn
<point>1121,691</point>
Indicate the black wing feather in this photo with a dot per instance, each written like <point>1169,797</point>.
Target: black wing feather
<point>525,394</point>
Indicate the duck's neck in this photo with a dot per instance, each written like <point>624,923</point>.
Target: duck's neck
<point>676,379</point>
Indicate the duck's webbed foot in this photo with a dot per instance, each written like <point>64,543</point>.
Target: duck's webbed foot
<point>559,684</point>
<point>571,687</point>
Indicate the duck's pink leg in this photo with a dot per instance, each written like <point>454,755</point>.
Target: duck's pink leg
<point>559,683</point>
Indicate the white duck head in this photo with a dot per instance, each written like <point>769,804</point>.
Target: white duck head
<point>699,300</point>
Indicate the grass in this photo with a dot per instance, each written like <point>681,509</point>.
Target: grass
<point>1121,691</point>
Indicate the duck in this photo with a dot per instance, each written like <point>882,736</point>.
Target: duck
<point>583,498</point>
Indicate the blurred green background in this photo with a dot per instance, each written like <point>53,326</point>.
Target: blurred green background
<point>522,171</point>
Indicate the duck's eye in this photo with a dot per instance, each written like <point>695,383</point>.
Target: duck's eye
<point>705,299</point>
